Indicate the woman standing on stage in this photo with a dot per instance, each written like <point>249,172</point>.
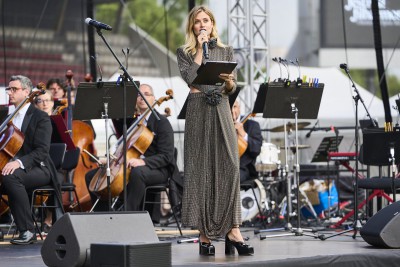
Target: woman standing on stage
<point>211,199</point>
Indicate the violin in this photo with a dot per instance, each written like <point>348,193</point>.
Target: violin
<point>242,144</point>
<point>139,139</point>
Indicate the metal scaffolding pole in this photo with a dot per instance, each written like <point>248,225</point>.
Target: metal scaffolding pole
<point>248,23</point>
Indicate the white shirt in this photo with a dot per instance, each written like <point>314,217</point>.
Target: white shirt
<point>18,120</point>
<point>19,117</point>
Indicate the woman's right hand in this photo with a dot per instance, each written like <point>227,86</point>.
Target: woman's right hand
<point>201,38</point>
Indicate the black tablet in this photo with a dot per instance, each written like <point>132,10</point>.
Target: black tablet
<point>208,72</point>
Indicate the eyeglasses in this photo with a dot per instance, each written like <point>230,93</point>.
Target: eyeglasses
<point>13,89</point>
<point>40,101</point>
<point>145,94</point>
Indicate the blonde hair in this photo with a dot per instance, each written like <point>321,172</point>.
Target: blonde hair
<point>191,41</point>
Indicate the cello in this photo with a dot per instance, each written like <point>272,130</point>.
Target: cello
<point>82,137</point>
<point>12,139</point>
<point>139,139</point>
<point>242,144</point>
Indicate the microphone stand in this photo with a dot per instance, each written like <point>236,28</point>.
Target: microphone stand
<point>356,224</point>
<point>127,77</point>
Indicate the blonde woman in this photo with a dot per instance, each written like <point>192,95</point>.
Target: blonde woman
<point>45,102</point>
<point>211,199</point>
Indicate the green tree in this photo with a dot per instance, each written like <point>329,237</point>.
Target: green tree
<point>363,77</point>
<point>161,21</point>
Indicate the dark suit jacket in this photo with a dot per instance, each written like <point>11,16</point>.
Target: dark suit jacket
<point>160,154</point>
<point>254,141</point>
<point>35,149</point>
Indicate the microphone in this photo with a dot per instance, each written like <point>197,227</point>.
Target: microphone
<point>312,129</point>
<point>280,68</point>
<point>343,66</point>
<point>97,24</point>
<point>205,48</point>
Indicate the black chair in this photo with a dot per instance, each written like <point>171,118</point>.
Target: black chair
<point>169,187</point>
<point>69,163</point>
<point>157,189</point>
<point>41,194</point>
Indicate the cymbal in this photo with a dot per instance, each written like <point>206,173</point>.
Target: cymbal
<point>290,126</point>
<point>299,146</point>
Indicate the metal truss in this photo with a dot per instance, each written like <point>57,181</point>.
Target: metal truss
<point>248,34</point>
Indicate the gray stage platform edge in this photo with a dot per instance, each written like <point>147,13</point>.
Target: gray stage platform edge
<point>382,229</point>
<point>68,242</point>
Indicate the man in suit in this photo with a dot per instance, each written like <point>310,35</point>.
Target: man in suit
<point>32,166</point>
<point>157,163</point>
<point>250,131</point>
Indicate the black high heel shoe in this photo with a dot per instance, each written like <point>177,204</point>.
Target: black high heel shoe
<point>206,249</point>
<point>242,248</point>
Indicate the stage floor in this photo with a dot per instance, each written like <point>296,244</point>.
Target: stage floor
<point>296,251</point>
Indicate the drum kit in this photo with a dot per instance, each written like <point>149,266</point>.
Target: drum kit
<point>271,174</point>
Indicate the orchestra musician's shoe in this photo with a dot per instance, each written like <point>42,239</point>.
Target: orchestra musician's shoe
<point>24,238</point>
<point>242,248</point>
<point>206,249</point>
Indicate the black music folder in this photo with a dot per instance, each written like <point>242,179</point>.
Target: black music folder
<point>208,72</point>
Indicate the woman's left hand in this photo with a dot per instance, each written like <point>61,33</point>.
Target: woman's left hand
<point>229,80</point>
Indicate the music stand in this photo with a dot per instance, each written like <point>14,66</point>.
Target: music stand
<point>382,148</point>
<point>102,100</point>
<point>328,144</point>
<point>285,102</point>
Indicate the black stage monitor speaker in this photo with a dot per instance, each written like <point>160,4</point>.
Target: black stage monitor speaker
<point>68,242</point>
<point>383,229</point>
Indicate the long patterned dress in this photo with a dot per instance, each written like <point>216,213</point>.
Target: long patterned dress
<point>211,194</point>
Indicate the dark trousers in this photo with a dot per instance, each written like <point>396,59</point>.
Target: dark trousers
<point>16,186</point>
<point>244,174</point>
<point>139,178</point>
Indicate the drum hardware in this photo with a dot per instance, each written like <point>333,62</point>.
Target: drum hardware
<point>253,201</point>
<point>289,127</point>
<point>268,160</point>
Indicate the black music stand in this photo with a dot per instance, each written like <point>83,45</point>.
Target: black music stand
<point>328,144</point>
<point>382,148</point>
<point>286,102</point>
<point>102,100</point>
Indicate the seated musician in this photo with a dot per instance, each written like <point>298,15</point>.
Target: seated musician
<point>157,163</point>
<point>56,87</point>
<point>32,166</point>
<point>45,103</point>
<point>250,131</point>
